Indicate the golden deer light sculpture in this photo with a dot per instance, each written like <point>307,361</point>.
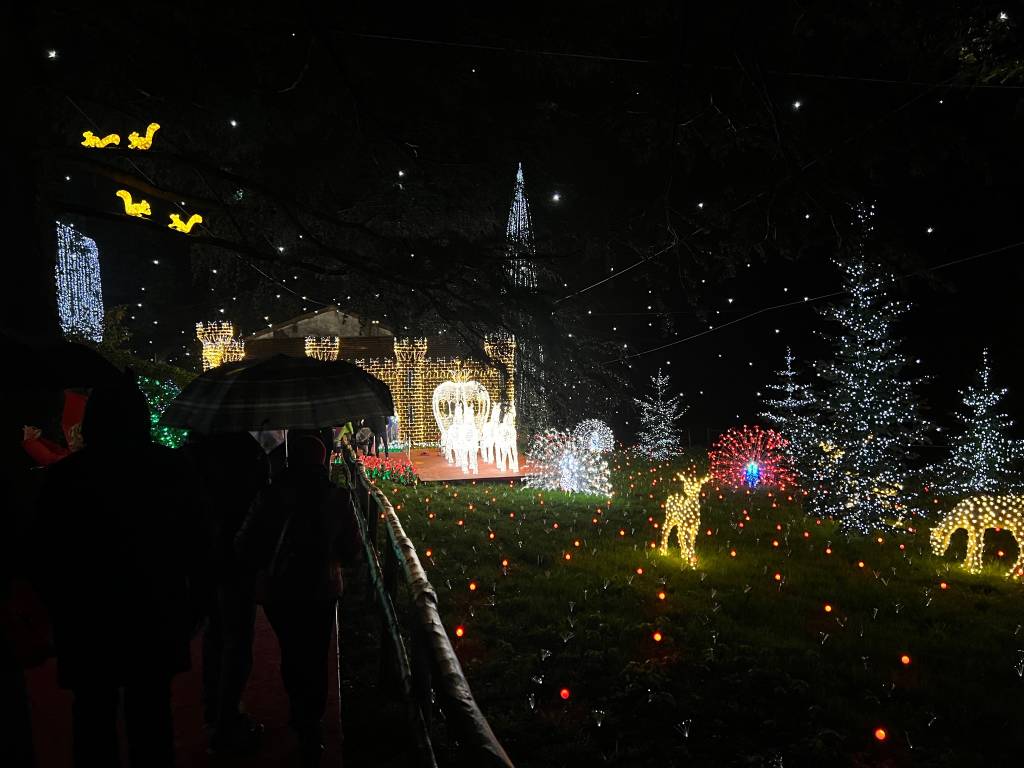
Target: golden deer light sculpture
<point>140,209</point>
<point>682,513</point>
<point>185,226</point>
<point>976,515</point>
<point>135,141</point>
<point>89,139</point>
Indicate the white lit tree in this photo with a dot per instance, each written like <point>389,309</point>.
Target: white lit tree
<point>868,411</point>
<point>983,457</point>
<point>660,436</point>
<point>791,413</point>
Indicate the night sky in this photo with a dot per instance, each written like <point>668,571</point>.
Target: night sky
<point>757,133</point>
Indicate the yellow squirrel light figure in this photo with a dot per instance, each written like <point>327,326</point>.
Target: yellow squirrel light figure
<point>976,515</point>
<point>140,209</point>
<point>135,141</point>
<point>682,512</point>
<point>184,226</point>
<point>90,139</point>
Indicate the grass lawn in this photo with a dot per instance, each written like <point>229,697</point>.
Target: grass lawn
<point>751,669</point>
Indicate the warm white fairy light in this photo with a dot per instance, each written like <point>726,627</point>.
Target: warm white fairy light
<point>559,463</point>
<point>594,435</point>
<point>682,514</point>
<point>79,288</point>
<point>216,337</point>
<point>977,515</point>
<point>323,347</point>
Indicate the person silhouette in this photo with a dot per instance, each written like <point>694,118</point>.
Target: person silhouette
<point>116,540</point>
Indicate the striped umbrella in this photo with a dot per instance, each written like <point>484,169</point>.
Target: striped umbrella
<point>280,392</point>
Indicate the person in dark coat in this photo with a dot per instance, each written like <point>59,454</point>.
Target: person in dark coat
<point>114,551</point>
<point>233,468</point>
<point>297,531</point>
<point>379,425</point>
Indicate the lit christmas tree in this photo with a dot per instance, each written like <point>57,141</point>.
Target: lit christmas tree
<point>868,411</point>
<point>983,458</point>
<point>159,395</point>
<point>660,437</point>
<point>791,414</point>
<point>521,272</point>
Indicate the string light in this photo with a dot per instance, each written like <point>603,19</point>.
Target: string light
<point>79,288</point>
<point>976,515</point>
<point>682,514</point>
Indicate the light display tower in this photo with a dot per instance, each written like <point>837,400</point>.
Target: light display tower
<point>521,272</point>
<point>79,291</point>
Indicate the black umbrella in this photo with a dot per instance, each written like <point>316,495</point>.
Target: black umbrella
<point>64,365</point>
<point>280,392</point>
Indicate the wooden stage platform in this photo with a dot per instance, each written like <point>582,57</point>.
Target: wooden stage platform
<point>431,467</point>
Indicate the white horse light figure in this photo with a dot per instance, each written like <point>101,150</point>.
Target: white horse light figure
<point>466,441</point>
<point>506,454</point>
<point>488,438</point>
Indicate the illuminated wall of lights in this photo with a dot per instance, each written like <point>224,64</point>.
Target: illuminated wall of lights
<point>977,515</point>
<point>219,343</point>
<point>557,462</point>
<point>413,377</point>
<point>682,514</point>
<point>323,347</point>
<point>79,289</point>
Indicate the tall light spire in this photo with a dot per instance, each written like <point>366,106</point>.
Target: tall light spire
<point>522,272</point>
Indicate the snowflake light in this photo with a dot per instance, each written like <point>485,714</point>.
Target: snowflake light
<point>977,515</point>
<point>595,436</point>
<point>558,462</point>
<point>751,457</point>
<point>79,290</point>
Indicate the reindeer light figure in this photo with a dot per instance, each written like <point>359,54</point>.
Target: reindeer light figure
<point>976,515</point>
<point>682,513</point>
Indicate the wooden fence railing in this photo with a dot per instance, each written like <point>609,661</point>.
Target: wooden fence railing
<point>416,654</point>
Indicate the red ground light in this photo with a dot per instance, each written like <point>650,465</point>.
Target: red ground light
<point>880,734</point>
<point>564,693</point>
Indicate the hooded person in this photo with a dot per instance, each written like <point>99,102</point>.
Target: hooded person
<point>116,546</point>
<point>301,528</point>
